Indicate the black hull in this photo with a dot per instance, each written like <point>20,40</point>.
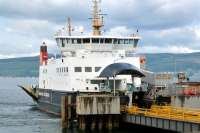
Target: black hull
<point>49,108</point>
<point>50,101</point>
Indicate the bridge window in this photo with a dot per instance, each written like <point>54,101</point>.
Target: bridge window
<point>79,41</point>
<point>78,69</point>
<point>101,40</point>
<point>62,42</point>
<point>95,40</point>
<point>88,69</point>
<point>107,40</point>
<point>97,69</point>
<point>135,42</point>
<point>57,40</point>
<point>68,41</point>
<point>121,41</point>
<point>126,41</point>
<point>131,41</point>
<point>115,41</point>
<point>74,41</point>
<point>86,40</point>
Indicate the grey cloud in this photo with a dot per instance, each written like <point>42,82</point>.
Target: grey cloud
<point>161,23</point>
<point>157,14</point>
<point>182,36</point>
<point>145,14</point>
<point>47,10</point>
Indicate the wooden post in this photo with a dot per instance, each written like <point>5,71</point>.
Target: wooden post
<point>100,124</point>
<point>109,123</point>
<point>69,107</point>
<point>116,122</point>
<point>82,124</point>
<point>64,113</point>
<point>114,84</point>
<point>93,123</point>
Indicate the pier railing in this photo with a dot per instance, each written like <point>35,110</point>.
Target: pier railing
<point>165,112</point>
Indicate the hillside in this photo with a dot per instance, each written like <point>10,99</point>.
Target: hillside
<point>19,67</point>
<point>28,66</point>
<point>173,62</point>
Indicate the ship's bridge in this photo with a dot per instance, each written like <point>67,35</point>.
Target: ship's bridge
<point>97,43</point>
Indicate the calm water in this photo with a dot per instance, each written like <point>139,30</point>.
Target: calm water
<point>18,113</point>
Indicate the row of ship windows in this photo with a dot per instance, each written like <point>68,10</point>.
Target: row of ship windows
<point>62,69</point>
<point>63,41</point>
<point>77,69</point>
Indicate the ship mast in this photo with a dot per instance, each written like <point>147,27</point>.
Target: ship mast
<point>97,20</point>
<point>69,27</point>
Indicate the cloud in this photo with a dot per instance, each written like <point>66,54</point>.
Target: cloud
<point>180,39</point>
<point>143,14</point>
<point>157,14</point>
<point>31,27</point>
<point>164,25</point>
<point>23,37</point>
<point>52,10</point>
<point>119,30</point>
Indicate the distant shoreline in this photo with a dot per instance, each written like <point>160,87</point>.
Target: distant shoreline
<point>156,62</point>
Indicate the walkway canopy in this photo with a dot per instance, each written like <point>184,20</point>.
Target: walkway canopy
<point>121,69</point>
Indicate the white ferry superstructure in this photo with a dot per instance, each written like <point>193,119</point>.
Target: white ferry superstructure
<point>82,63</point>
<point>88,64</point>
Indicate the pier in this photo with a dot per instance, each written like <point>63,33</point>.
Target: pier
<point>93,111</point>
<point>104,112</point>
<point>164,117</point>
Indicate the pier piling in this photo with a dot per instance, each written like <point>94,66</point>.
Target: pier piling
<point>100,124</point>
<point>109,122</point>
<point>65,111</point>
<point>91,111</point>
<point>116,121</point>
<point>82,124</point>
<point>64,118</point>
<point>93,123</point>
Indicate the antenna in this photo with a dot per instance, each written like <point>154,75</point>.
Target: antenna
<point>97,20</point>
<point>69,27</point>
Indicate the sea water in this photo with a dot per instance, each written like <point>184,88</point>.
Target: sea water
<point>19,114</point>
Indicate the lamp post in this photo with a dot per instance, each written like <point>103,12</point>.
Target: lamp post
<point>114,84</point>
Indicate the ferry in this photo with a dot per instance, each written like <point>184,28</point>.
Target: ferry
<point>89,64</point>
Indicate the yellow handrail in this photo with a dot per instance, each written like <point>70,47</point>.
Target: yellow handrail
<point>166,112</point>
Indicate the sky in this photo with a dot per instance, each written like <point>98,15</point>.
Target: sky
<point>166,26</point>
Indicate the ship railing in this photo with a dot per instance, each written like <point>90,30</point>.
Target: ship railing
<point>165,112</point>
<point>98,47</point>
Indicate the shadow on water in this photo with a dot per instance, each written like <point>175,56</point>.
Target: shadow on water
<point>127,127</point>
<point>124,128</point>
<point>35,108</point>
<point>75,130</point>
